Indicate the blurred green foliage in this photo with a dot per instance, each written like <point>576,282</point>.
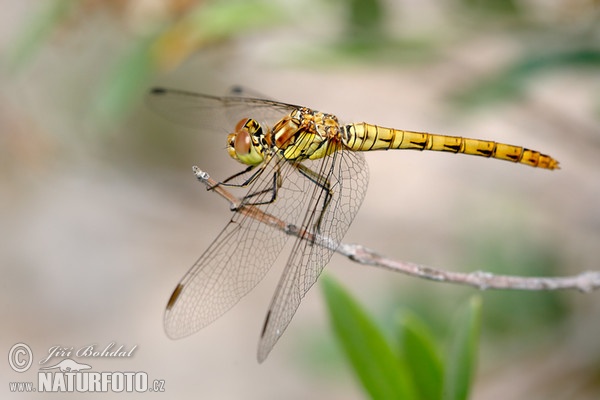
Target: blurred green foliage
<point>511,82</point>
<point>512,318</point>
<point>382,374</point>
<point>162,45</point>
<point>519,313</point>
<point>493,7</point>
<point>37,31</point>
<point>417,345</point>
<point>462,357</point>
<point>415,368</point>
<point>186,27</point>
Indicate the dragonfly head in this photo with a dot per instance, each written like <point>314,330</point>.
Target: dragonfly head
<point>244,144</point>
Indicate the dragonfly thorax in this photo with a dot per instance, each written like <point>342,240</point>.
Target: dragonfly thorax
<point>305,134</point>
<point>301,135</point>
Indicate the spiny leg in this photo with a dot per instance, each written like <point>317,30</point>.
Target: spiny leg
<point>321,181</point>
<point>273,190</point>
<point>277,182</point>
<point>243,184</point>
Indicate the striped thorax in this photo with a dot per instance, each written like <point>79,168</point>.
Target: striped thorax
<point>301,135</point>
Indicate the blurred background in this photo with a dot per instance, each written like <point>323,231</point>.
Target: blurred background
<point>101,215</point>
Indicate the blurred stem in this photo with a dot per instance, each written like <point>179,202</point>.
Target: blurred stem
<point>37,31</point>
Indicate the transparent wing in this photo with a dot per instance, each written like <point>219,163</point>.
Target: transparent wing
<point>242,253</point>
<point>246,248</point>
<point>234,263</point>
<point>202,111</point>
<point>347,175</point>
<point>242,91</point>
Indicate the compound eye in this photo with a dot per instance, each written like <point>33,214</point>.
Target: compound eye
<point>242,142</point>
<point>241,145</point>
<point>241,125</point>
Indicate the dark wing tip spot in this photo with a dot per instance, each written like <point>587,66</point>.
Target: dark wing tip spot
<point>158,90</point>
<point>174,296</point>
<point>262,334</point>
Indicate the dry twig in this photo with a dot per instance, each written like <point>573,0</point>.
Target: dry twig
<point>584,282</point>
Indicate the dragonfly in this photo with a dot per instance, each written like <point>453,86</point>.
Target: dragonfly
<point>301,166</point>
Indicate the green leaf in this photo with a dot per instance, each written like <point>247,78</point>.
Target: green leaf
<point>462,358</point>
<point>421,355</point>
<point>126,82</point>
<point>380,372</point>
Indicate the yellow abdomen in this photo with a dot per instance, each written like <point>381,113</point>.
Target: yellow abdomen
<point>365,137</point>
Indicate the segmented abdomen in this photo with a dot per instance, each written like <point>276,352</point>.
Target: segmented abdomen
<point>365,137</point>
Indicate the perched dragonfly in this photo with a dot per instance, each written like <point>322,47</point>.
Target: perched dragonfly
<point>303,167</point>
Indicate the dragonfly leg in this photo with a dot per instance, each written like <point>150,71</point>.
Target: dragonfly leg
<point>277,182</point>
<point>243,184</point>
<point>272,189</point>
<point>324,183</point>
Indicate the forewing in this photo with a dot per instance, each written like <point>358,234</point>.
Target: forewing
<point>220,114</point>
<point>232,265</point>
<point>242,253</point>
<point>348,176</point>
